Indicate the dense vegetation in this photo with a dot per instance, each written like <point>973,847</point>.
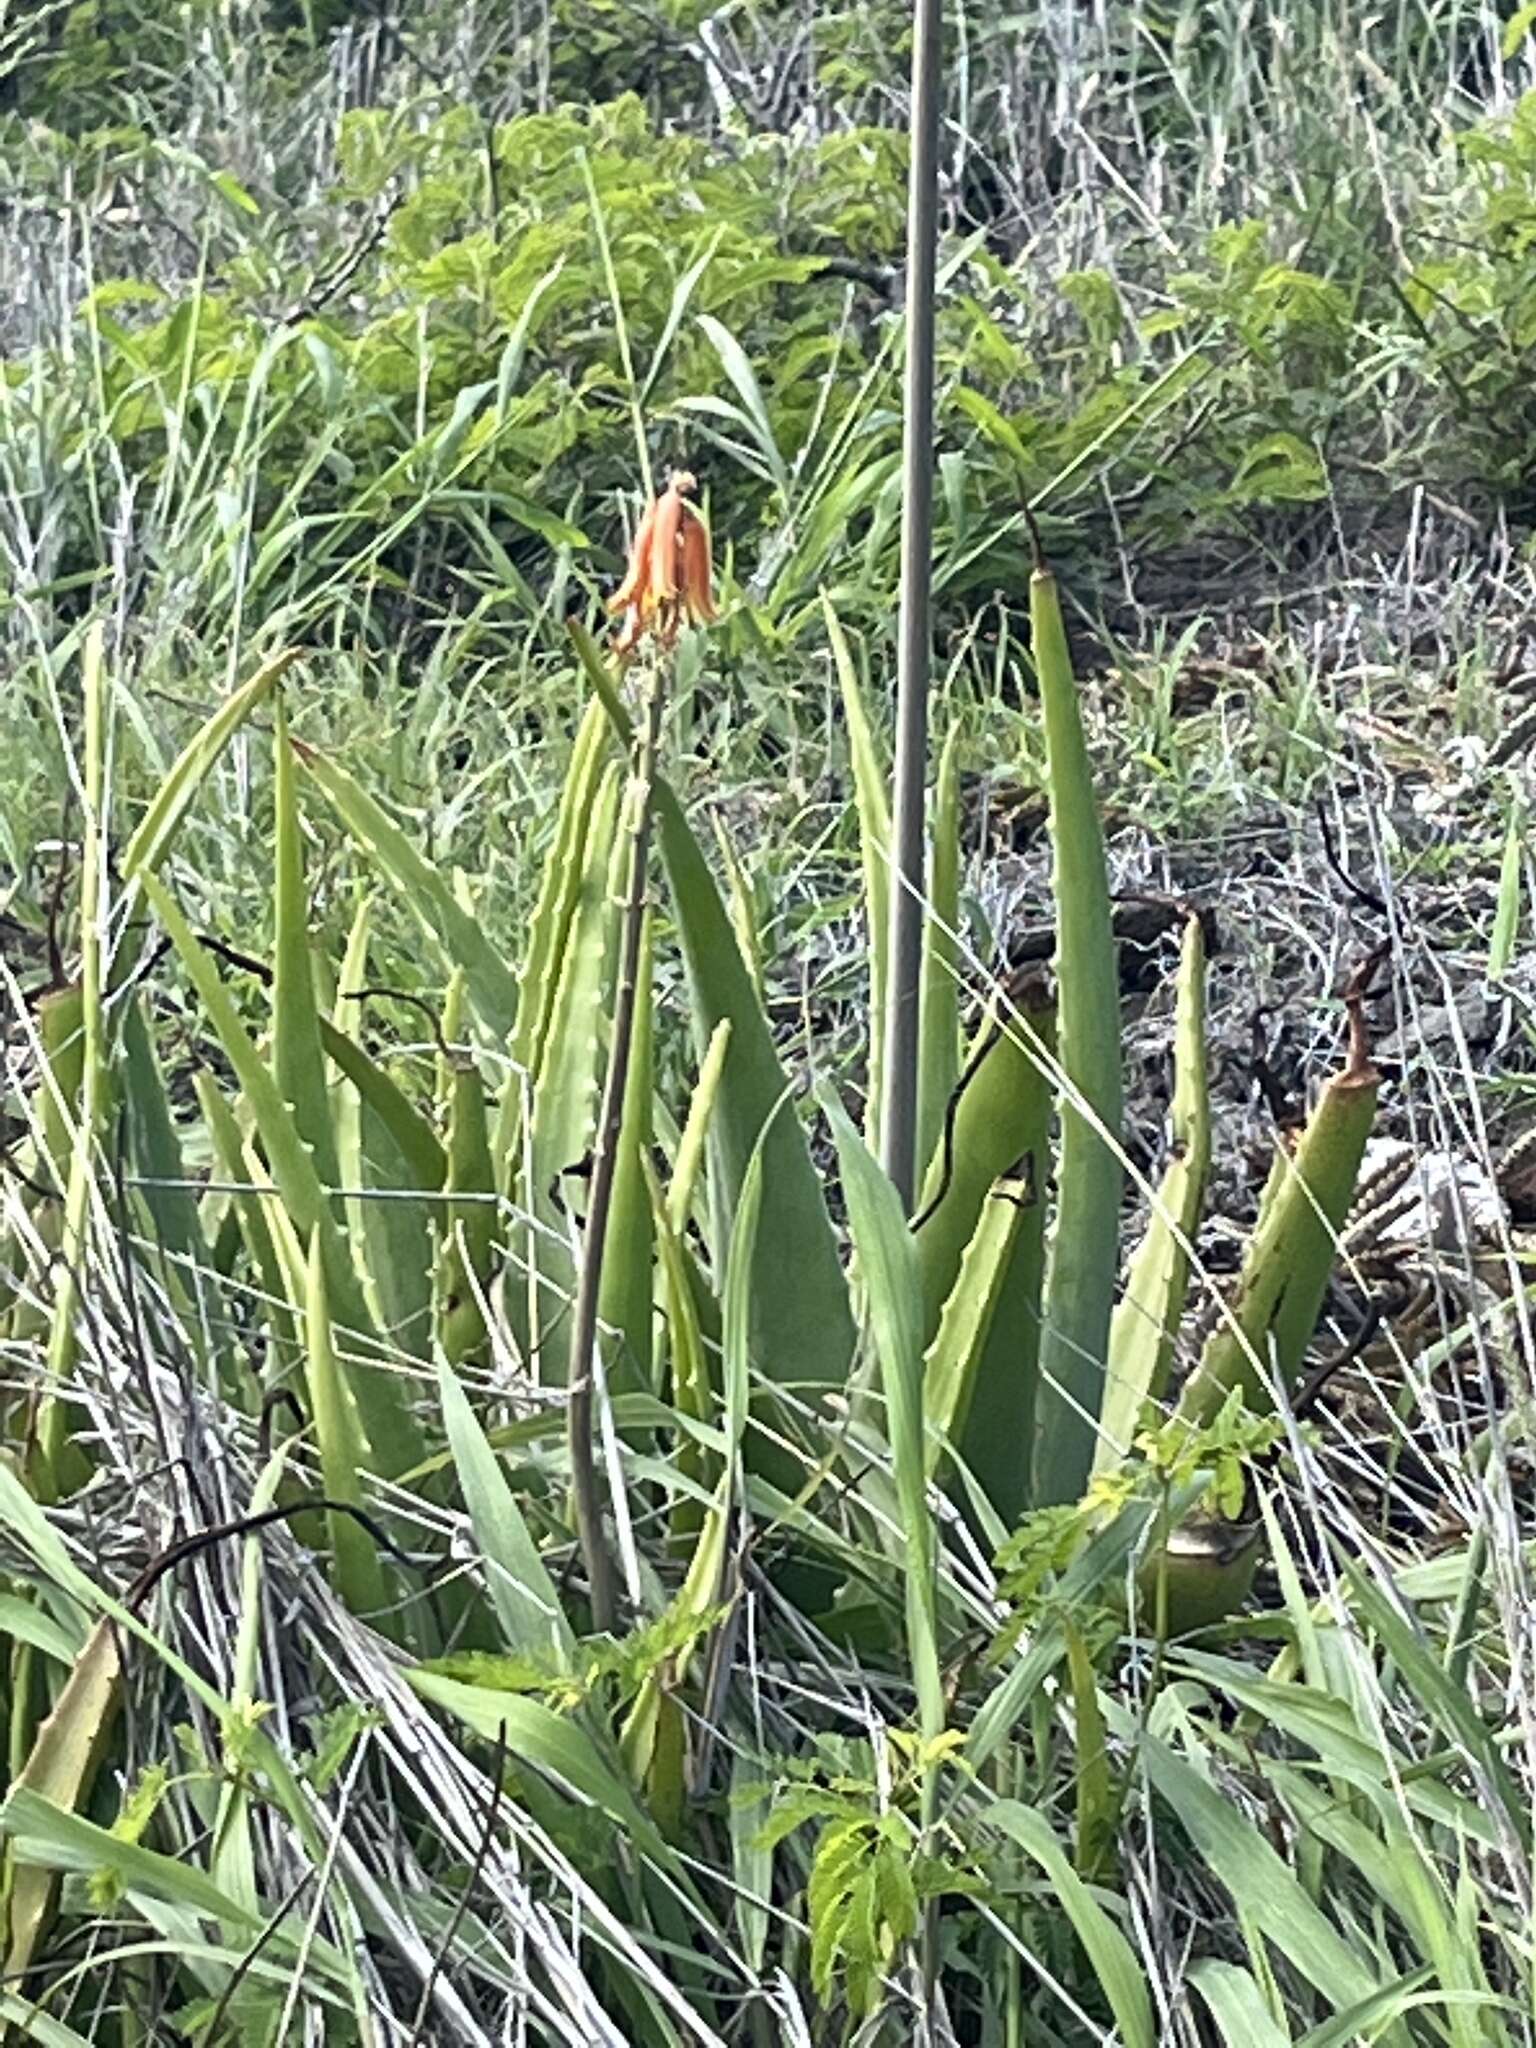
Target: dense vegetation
<point>1096,1609</point>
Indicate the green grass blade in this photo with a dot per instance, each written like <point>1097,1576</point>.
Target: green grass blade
<point>539,1738</point>
<point>1264,1889</point>
<point>1237,2005</point>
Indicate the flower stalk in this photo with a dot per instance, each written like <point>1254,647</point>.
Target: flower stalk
<point>667,584</point>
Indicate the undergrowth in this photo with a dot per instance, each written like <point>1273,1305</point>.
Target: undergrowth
<point>341,356</point>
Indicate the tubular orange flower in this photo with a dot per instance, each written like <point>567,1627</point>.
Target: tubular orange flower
<point>666,542</point>
<point>668,576</point>
<point>637,574</point>
<point>697,576</point>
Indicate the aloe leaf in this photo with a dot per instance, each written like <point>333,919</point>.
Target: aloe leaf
<point>559,891</point>
<point>391,1236</point>
<point>1264,1334</point>
<point>468,1218</point>
<point>61,1037</point>
<point>62,1765</point>
<point>249,1211</point>
<point>418,1144</point>
<point>566,1088</point>
<point>492,985</point>
<point>626,1289</point>
<point>954,1357</point>
<point>939,1039</point>
<point>870,780</point>
<point>152,1143</point>
<point>801,1334</point>
<point>695,1132</point>
<point>997,1120</point>
<point>157,829</point>
<point>1084,1252</point>
<point>691,1390</point>
<point>1146,1321</point>
<point>344,1452</point>
<point>392,1430</point>
<point>297,1060</point>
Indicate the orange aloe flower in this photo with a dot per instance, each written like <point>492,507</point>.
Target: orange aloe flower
<point>668,578</point>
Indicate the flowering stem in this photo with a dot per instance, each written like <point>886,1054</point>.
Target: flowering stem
<point>586,1501</point>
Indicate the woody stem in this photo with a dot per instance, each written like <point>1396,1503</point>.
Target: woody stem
<point>586,1499</point>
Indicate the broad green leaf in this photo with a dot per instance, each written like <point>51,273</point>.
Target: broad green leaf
<point>533,1621</point>
<point>466,943</point>
<point>62,1765</point>
<point>1120,1977</point>
<point>1237,2005</point>
<point>157,829</point>
<point>1263,1888</point>
<point>893,1294</point>
<point>536,1736</point>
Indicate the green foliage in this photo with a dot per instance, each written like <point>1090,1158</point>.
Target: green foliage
<point>293,1203</point>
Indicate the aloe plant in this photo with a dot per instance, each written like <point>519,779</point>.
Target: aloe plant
<point>408,1238</point>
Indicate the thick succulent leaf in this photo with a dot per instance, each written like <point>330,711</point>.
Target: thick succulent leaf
<point>1085,1239</point>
